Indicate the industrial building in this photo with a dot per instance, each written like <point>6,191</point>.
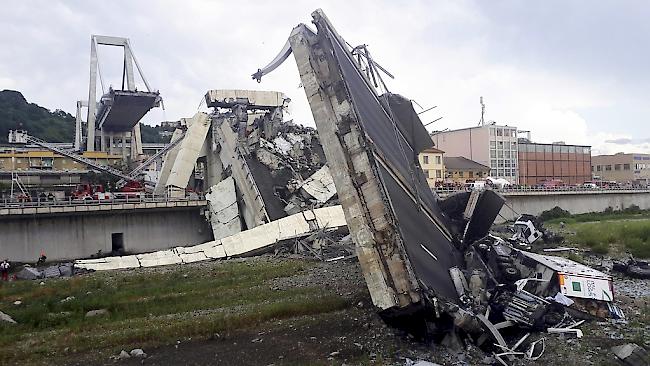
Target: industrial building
<point>491,145</point>
<point>543,162</point>
<point>459,169</point>
<point>622,168</point>
<point>433,165</point>
<point>40,167</point>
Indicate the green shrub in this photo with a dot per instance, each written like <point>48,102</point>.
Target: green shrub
<point>554,213</point>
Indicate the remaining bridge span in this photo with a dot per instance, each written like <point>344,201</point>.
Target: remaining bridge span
<point>71,231</point>
<point>576,202</point>
<point>121,110</point>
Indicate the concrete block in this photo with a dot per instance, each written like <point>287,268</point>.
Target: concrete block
<point>194,257</point>
<point>159,258</point>
<point>224,211</point>
<point>320,185</point>
<point>188,152</point>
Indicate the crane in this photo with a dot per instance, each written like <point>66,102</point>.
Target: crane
<point>22,137</point>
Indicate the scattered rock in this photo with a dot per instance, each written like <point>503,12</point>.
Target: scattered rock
<point>409,362</point>
<point>42,283</point>
<point>631,354</point>
<point>17,302</point>
<point>99,312</point>
<point>335,353</point>
<point>138,352</point>
<point>257,340</point>
<point>69,298</point>
<point>6,318</point>
<point>123,355</point>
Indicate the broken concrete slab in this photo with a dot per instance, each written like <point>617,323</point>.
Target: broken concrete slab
<point>243,243</point>
<point>224,212</point>
<point>168,163</point>
<point>159,258</point>
<point>188,152</point>
<point>320,185</point>
<point>631,354</point>
<point>6,318</point>
<point>29,273</point>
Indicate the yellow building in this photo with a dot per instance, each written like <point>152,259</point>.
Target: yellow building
<point>461,170</point>
<point>433,165</point>
<point>17,160</point>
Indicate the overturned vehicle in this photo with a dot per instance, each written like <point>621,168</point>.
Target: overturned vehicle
<point>429,263</point>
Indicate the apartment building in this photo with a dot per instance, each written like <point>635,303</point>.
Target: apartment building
<point>433,166</point>
<point>491,145</point>
<point>622,168</point>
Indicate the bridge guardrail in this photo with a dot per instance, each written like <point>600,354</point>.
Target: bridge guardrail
<point>39,202</point>
<point>546,189</point>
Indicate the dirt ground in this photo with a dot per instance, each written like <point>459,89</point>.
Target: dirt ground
<point>358,336</point>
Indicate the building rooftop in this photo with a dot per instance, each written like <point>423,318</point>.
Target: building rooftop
<point>490,124</point>
<point>432,150</point>
<point>462,163</point>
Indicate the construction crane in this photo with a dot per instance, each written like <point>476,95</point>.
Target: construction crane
<point>22,137</point>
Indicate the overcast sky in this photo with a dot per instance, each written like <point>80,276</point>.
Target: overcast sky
<point>575,71</point>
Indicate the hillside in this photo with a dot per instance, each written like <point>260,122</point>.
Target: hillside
<point>16,112</point>
<point>51,126</point>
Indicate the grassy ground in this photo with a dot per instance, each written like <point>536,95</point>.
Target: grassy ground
<point>148,309</point>
<point>609,231</point>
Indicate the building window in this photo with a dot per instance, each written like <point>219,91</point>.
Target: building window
<point>617,166</point>
<point>493,153</point>
<point>500,145</point>
<point>599,168</point>
<point>461,174</point>
<point>425,158</point>
<point>438,173</point>
<point>626,166</point>
<point>438,160</point>
<point>493,144</point>
<point>493,163</point>
<point>572,149</point>
<point>608,167</point>
<point>499,131</point>
<point>471,174</point>
<point>492,132</point>
<point>500,154</point>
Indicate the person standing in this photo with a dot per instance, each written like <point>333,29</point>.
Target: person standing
<point>4,268</point>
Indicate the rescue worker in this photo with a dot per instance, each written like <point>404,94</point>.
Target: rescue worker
<point>4,269</point>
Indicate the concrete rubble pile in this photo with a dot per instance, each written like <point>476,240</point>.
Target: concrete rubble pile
<point>55,270</point>
<point>431,265</point>
<point>285,162</point>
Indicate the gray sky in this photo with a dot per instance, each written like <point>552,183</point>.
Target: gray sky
<point>575,71</point>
